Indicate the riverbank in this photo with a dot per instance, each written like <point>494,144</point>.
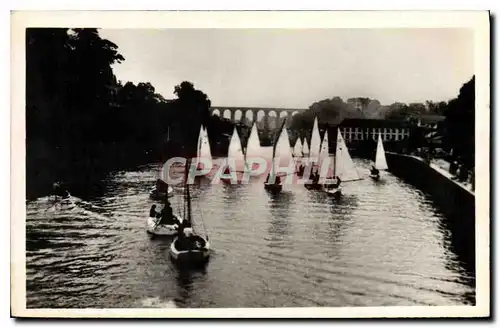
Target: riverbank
<point>455,200</point>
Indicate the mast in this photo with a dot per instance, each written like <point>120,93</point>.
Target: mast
<point>335,155</point>
<point>186,186</point>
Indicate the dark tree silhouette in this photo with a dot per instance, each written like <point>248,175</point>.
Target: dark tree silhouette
<point>459,126</point>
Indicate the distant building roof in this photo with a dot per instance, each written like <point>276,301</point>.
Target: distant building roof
<point>373,123</point>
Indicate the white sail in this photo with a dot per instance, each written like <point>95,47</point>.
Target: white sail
<point>323,153</point>
<point>315,141</point>
<point>205,151</point>
<point>235,151</point>
<point>253,144</point>
<point>344,166</point>
<point>283,148</point>
<point>297,149</point>
<point>380,161</point>
<point>305,148</point>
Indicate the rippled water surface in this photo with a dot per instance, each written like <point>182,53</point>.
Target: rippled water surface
<point>381,244</point>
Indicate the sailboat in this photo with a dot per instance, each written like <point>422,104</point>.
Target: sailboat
<point>235,155</point>
<point>380,160</point>
<point>253,148</point>
<point>304,159</point>
<point>153,222</point>
<point>343,168</point>
<point>203,148</point>
<point>314,148</point>
<point>189,247</point>
<point>161,190</point>
<point>283,144</point>
<point>322,155</point>
<point>153,225</point>
<point>297,154</point>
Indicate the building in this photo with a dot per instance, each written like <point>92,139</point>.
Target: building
<point>358,129</point>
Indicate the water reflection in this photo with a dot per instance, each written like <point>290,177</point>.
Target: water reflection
<point>279,229</point>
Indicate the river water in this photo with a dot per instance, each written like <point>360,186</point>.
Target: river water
<point>383,243</point>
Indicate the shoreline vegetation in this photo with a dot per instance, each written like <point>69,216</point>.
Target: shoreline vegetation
<point>82,123</point>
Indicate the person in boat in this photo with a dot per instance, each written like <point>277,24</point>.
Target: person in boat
<point>315,177</point>
<point>374,171</point>
<point>301,169</point>
<point>182,240</point>
<point>152,212</point>
<point>185,239</point>
<point>336,182</point>
<point>167,215</point>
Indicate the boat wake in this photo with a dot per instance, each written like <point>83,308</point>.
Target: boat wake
<point>156,302</point>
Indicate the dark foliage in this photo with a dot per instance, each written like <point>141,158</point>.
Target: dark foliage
<point>459,126</point>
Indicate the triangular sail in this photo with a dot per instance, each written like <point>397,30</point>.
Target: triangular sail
<point>315,141</point>
<point>323,153</point>
<point>280,146</point>
<point>205,151</point>
<point>253,144</point>
<point>380,161</point>
<point>297,149</point>
<point>235,151</point>
<point>344,166</point>
<point>283,148</point>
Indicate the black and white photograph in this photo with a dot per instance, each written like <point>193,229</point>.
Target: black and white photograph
<point>313,164</point>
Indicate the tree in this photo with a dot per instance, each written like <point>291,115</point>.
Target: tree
<point>328,111</point>
<point>193,108</point>
<point>459,125</point>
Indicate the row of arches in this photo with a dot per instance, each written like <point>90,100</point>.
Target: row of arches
<point>252,115</point>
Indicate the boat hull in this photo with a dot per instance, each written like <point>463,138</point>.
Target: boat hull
<point>313,186</point>
<point>273,188</point>
<point>192,256</point>
<point>162,229</point>
<point>334,192</point>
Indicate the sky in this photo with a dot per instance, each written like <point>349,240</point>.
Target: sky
<point>286,68</point>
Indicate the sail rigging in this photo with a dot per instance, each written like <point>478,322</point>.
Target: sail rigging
<point>235,151</point>
<point>281,137</point>
<point>344,166</point>
<point>253,143</point>
<point>315,141</point>
<point>323,153</point>
<point>205,151</point>
<point>380,160</point>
